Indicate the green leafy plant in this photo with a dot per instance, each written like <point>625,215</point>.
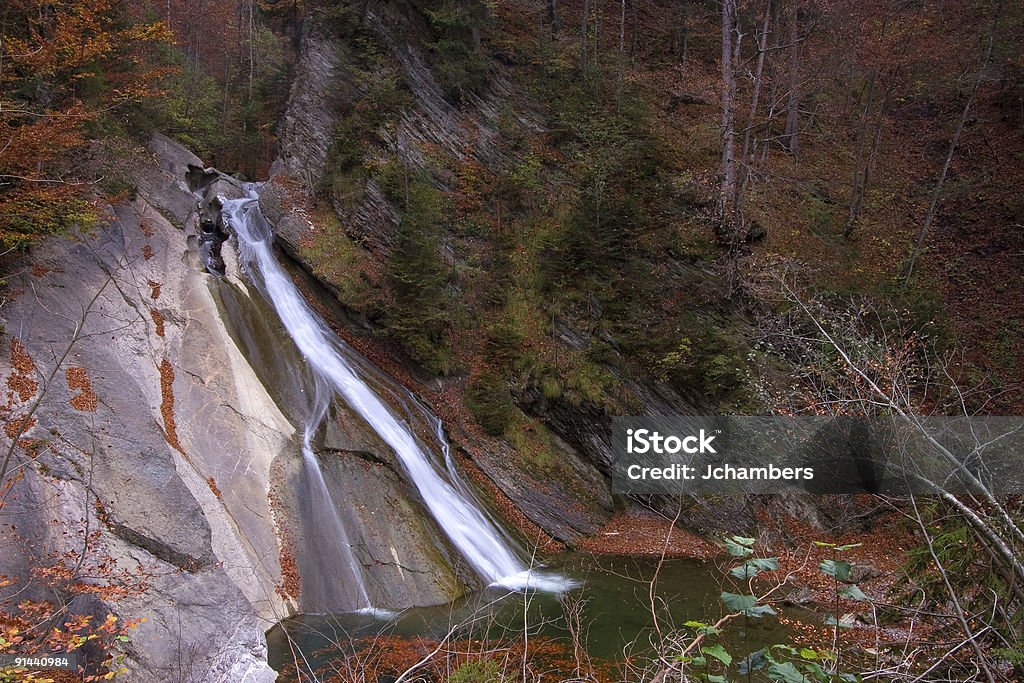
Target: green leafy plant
<point>706,655</point>
<point>489,401</point>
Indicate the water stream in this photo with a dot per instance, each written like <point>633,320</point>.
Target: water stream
<point>338,370</point>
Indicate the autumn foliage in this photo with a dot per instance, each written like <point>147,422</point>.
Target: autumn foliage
<point>66,68</point>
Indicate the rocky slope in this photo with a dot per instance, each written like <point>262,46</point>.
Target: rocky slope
<point>166,428</point>
<point>152,429</point>
<point>566,500</point>
<point>171,426</point>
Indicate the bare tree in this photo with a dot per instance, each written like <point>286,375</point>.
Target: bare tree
<point>866,151</point>
<point>554,18</point>
<point>860,359</point>
<point>681,34</point>
<point>584,28</point>
<point>933,206</point>
<point>731,40</point>
<point>747,154</point>
<point>790,139</point>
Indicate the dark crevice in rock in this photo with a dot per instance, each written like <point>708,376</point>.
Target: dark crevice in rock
<point>211,237</point>
<point>366,456</point>
<point>159,549</point>
<point>212,186</point>
<point>198,177</point>
<point>398,565</point>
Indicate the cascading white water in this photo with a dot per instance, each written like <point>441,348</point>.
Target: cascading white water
<point>335,364</point>
<point>325,516</point>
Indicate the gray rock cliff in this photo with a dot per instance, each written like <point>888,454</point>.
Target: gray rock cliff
<point>164,429</point>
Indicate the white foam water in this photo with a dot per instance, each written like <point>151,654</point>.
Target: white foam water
<point>477,538</point>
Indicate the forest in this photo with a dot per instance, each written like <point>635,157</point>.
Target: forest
<point>322,322</point>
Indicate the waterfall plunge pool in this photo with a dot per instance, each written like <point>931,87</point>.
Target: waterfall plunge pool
<point>608,618</point>
<point>610,610</point>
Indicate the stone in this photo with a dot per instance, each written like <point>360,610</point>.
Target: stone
<point>164,183</point>
<point>160,414</point>
<point>863,572</point>
<point>320,85</point>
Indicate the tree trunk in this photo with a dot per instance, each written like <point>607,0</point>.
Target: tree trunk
<point>730,44</point>
<point>861,188</point>
<point>554,18</point>
<point>747,154</point>
<point>585,17</point>
<point>682,32</point>
<point>252,48</point>
<point>621,75</point>
<point>790,131</point>
<point>634,18</point>
<point>775,74</point>
<point>859,180</point>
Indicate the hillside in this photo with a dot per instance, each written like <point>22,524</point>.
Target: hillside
<point>512,223</point>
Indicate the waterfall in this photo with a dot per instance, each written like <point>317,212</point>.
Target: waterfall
<point>340,370</point>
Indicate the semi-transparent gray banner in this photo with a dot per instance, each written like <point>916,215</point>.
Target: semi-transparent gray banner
<point>818,454</point>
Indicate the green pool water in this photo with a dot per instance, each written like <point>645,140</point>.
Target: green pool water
<point>613,600</point>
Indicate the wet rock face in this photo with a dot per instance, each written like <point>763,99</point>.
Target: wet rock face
<point>212,187</point>
<point>404,558</point>
<point>291,225</point>
<point>164,437</point>
<point>210,240</point>
<point>176,411</point>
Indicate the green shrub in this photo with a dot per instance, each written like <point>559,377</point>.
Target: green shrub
<point>459,63</point>
<point>344,19</point>
<point>335,258</point>
<point>477,671</point>
<point>488,399</point>
<point>822,214</point>
<point>522,183</point>
<point>534,443</point>
<point>118,185</point>
<point>381,95</point>
<point>550,387</point>
<point>505,342</point>
<point>419,278</point>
